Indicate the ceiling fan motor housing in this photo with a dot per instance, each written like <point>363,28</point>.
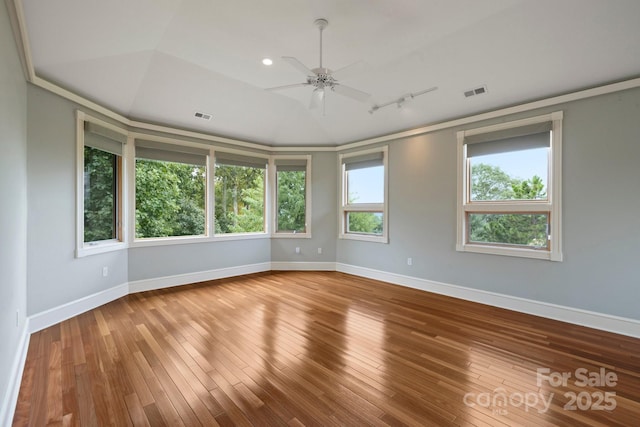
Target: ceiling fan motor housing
<point>322,78</point>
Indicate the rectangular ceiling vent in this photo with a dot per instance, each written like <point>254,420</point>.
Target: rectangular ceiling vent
<point>476,91</point>
<point>203,116</point>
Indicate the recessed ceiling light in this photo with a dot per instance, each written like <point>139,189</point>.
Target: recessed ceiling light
<point>267,61</point>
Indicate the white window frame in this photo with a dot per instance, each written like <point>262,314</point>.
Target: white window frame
<point>345,207</point>
<point>131,171</point>
<point>552,206</point>
<point>267,198</point>
<point>273,190</point>
<point>90,248</point>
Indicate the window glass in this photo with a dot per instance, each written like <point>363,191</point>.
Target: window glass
<point>170,199</point>
<point>239,199</point>
<point>365,223</point>
<point>510,175</point>
<point>291,197</point>
<point>526,230</point>
<point>365,185</point>
<point>101,172</point>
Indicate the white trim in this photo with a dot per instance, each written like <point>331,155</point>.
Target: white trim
<point>302,266</point>
<point>198,135</point>
<point>555,191</point>
<point>576,316</point>
<point>44,319</point>
<point>10,399</point>
<point>505,251</point>
<point>201,276</point>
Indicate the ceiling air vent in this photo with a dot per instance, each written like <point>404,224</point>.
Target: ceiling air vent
<point>476,91</point>
<point>203,116</point>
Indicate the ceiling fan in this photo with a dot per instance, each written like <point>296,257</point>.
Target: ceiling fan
<point>323,79</point>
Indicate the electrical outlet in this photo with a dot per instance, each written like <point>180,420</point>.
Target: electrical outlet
<point>409,261</point>
<point>105,271</point>
<point>297,249</point>
<point>319,251</point>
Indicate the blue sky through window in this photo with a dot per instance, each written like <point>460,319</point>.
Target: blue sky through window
<point>522,164</point>
<point>366,185</point>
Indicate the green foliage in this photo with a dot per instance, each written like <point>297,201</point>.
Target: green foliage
<point>512,229</point>
<point>239,199</point>
<point>365,222</point>
<point>291,201</point>
<point>170,199</point>
<point>99,195</point>
<point>492,183</point>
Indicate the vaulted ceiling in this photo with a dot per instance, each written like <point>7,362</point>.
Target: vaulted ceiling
<point>161,61</point>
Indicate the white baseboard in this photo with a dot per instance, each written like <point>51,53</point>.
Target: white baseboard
<point>605,322</point>
<point>8,405</point>
<point>201,276</point>
<point>303,266</point>
<point>43,320</point>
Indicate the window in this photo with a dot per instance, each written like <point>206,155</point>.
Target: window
<point>363,208</point>
<point>239,193</point>
<point>170,190</point>
<point>101,196</point>
<point>509,188</point>
<point>292,202</point>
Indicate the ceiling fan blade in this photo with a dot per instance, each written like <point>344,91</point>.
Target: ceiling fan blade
<point>299,65</point>
<point>317,98</point>
<point>352,93</point>
<point>350,70</point>
<point>288,86</point>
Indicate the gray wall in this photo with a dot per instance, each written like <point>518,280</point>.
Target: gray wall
<point>600,228</point>
<point>169,260</point>
<point>56,276</point>
<point>324,209</point>
<point>601,231</point>
<point>13,200</point>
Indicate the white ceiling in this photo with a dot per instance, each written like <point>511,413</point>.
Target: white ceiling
<point>160,61</point>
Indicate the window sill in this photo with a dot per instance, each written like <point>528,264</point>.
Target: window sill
<point>99,248</point>
<point>239,236</point>
<point>506,251</point>
<point>181,240</point>
<point>364,237</point>
<point>291,235</point>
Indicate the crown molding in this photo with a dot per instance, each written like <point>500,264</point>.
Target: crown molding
<point>16,15</point>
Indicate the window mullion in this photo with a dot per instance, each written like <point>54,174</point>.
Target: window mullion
<point>502,207</point>
<point>365,207</point>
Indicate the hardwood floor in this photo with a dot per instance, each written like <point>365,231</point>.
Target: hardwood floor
<point>320,348</point>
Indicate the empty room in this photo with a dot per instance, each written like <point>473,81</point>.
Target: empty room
<point>320,213</point>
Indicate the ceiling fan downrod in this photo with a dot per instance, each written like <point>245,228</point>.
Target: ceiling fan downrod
<point>321,24</point>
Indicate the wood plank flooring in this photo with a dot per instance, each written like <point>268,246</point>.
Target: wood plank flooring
<point>322,348</point>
